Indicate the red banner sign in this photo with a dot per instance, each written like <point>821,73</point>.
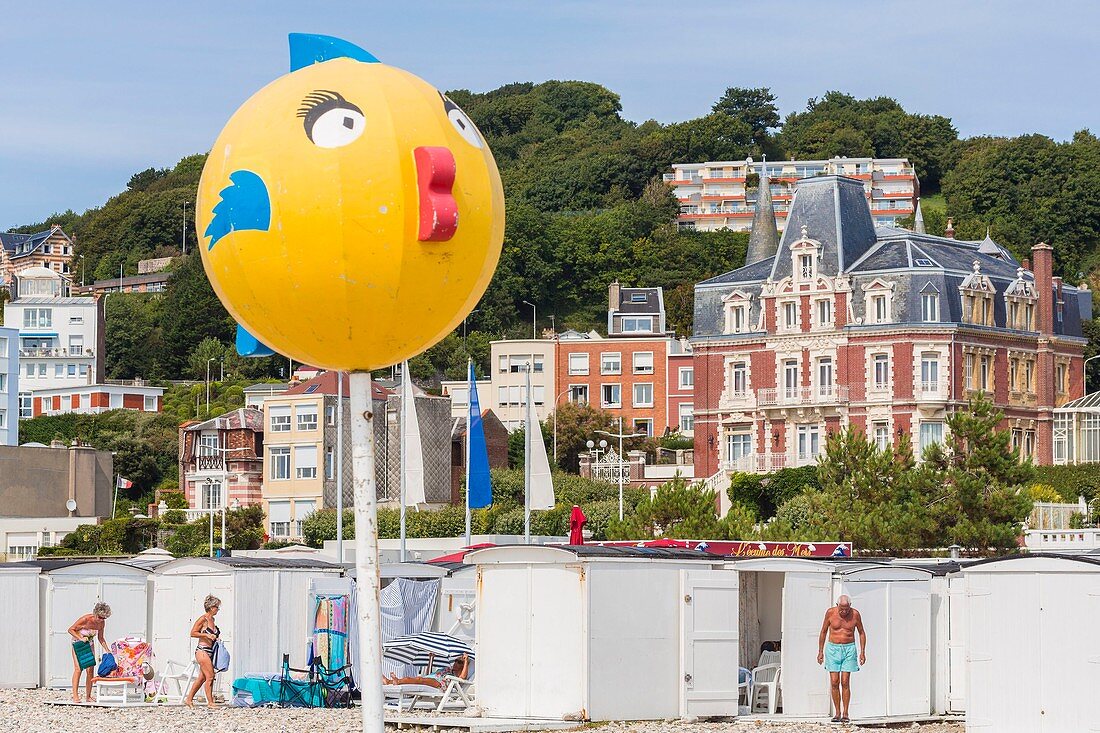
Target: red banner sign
<point>749,549</point>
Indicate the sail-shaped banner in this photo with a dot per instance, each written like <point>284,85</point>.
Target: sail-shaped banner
<point>479,489</point>
<point>412,449</point>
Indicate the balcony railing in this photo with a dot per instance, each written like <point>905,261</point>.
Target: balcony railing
<point>784,396</point>
<point>931,390</point>
<point>209,463</point>
<point>56,351</point>
<point>758,463</point>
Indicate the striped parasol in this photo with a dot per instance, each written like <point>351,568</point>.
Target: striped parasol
<point>429,650</point>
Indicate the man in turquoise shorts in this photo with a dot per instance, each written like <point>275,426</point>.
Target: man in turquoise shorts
<point>838,654</point>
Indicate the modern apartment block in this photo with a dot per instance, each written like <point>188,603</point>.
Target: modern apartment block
<point>61,339</point>
<point>842,322</point>
<point>9,386</point>
<point>717,195</point>
<point>50,249</point>
<point>508,395</point>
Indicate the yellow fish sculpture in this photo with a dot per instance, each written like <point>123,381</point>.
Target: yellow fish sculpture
<point>349,215</point>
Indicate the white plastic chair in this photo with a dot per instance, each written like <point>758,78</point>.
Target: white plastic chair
<point>765,683</point>
<point>456,690</point>
<point>182,679</point>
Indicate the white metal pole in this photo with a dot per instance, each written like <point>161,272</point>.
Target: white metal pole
<point>404,416</point>
<point>114,501</point>
<point>620,468</point>
<point>366,551</point>
<point>224,491</point>
<point>527,465</point>
<point>339,467</point>
<point>469,401</point>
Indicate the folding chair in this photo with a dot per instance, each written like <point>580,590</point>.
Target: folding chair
<point>336,685</point>
<point>181,679</point>
<point>299,693</point>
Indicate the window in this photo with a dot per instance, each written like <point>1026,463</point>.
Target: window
<point>790,315</point>
<point>150,403</point>
<point>278,515</point>
<point>116,401</point>
<point>637,297</point>
<point>517,363</point>
<point>1029,368</point>
<point>740,379</point>
<point>1013,314</point>
<point>987,311</point>
<point>643,362</point>
<point>503,362</point>
<point>280,463</point>
<point>790,379</point>
<point>26,406</point>
<point>578,363</point>
<point>881,371</point>
<point>83,370</point>
<point>538,394</point>
<point>208,443</point>
<point>578,394</point>
<point>881,431</point>
<point>738,445</point>
<point>76,345</point>
<point>59,370</point>
<point>825,376</point>
<point>739,319</point>
<point>330,410</point>
<point>930,372</point>
<point>30,371</point>
<point>1060,378</point>
<point>644,425</point>
<point>930,307</point>
<point>806,266</point>
<point>824,313</point>
<point>643,395</point>
<point>930,432</point>
<point>305,461</point>
<point>211,495</point>
<point>1029,311</point>
<point>38,318</point>
<point>3,418</point>
<point>280,419</point>
<point>687,377</point>
<point>879,309</point>
<point>3,347</point>
<point>611,363</point>
<point>42,370</point>
<point>537,363</point>
<point>70,370</point>
<point>687,417</point>
<point>3,382</point>
<point>968,371</point>
<point>634,324</point>
<point>983,373</point>
<point>76,320</point>
<point>611,395</point>
<point>330,464</point>
<point>1014,374</point>
<point>307,418</point>
<point>809,442</point>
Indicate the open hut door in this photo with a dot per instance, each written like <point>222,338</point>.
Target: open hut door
<point>709,643</point>
<point>804,686</point>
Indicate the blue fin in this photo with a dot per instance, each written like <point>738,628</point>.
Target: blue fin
<point>248,345</point>
<point>307,49</point>
<point>244,205</point>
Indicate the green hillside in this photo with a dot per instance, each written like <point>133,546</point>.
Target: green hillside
<point>586,206</point>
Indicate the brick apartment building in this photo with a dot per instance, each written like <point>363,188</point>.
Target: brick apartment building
<point>844,323</point>
<point>221,460</point>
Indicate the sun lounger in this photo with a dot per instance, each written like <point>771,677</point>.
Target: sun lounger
<point>118,690</point>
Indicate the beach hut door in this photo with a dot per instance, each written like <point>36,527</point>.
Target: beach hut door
<point>709,643</point>
<point>804,686</point>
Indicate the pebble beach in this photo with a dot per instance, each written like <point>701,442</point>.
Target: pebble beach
<point>27,711</point>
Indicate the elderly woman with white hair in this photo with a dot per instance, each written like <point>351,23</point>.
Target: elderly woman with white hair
<point>207,632</point>
<point>84,632</point>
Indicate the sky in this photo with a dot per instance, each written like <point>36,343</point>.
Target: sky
<point>91,93</point>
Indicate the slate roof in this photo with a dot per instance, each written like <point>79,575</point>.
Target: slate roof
<point>757,271</point>
<point>651,304</point>
<point>325,383</point>
<point>245,417</point>
<point>12,240</point>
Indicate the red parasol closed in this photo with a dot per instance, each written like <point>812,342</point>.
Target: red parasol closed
<point>576,526</point>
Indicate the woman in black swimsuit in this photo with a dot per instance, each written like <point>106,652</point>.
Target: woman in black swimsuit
<point>207,632</point>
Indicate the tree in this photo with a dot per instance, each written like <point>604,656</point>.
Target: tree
<point>191,312</point>
<point>755,108</point>
<point>576,425</point>
<point>199,359</point>
<point>677,510</point>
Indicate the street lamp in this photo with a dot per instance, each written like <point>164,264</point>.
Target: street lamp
<point>556,423</point>
<point>213,358</point>
<point>81,258</point>
<point>534,317</point>
<point>620,435</point>
<point>475,310</point>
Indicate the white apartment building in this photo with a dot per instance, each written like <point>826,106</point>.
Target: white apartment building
<point>714,195</point>
<point>459,394</point>
<point>508,395</point>
<point>60,338</point>
<point>9,386</point>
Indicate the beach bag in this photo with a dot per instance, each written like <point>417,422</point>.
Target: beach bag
<point>85,657</point>
<point>221,656</point>
<point>107,665</point>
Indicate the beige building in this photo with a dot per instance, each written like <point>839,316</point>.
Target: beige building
<point>507,396</point>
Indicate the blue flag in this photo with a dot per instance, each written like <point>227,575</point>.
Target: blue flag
<point>478,487</point>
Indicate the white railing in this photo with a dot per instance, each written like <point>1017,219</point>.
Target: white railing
<point>820,395</point>
<point>193,514</point>
<point>1059,540</point>
<point>758,463</point>
<point>931,390</point>
<point>56,351</point>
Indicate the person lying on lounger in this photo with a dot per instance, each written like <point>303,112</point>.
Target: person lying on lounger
<point>460,669</point>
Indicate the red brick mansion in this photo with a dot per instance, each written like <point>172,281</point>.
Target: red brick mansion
<point>840,322</point>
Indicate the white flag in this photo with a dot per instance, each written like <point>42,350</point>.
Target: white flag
<point>542,485</point>
<point>412,451</point>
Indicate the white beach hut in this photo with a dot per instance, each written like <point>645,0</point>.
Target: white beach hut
<point>68,589</point>
<point>265,611</point>
<point>457,614</point>
<point>604,633</point>
<point>20,624</point>
<point>785,599</point>
<point>1033,644</point>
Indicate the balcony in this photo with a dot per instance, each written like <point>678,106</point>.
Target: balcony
<point>758,463</point>
<point>208,464</point>
<point>931,391</point>
<point>57,352</point>
<point>801,396</point>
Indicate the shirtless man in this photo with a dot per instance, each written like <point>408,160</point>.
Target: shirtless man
<point>839,654</point>
<point>87,628</point>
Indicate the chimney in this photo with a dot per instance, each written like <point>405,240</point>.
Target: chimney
<point>613,296</point>
<point>1042,255</point>
<point>949,232</point>
<point>1026,264</point>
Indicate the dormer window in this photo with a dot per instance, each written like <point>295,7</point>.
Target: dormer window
<point>804,255</point>
<point>737,312</point>
<point>977,293</point>
<point>1020,299</point>
<point>930,307</point>
<point>878,303</point>
<point>806,266</point>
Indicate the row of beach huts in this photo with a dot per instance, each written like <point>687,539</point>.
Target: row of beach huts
<point>614,633</point>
